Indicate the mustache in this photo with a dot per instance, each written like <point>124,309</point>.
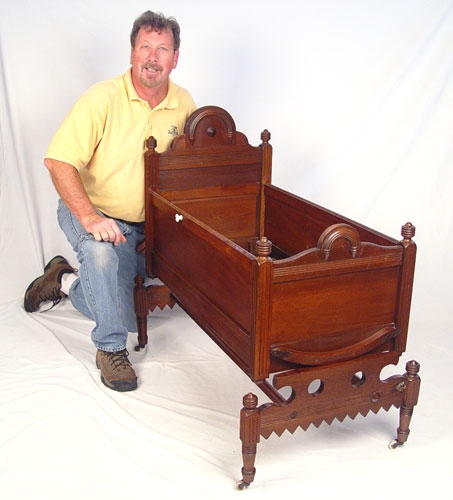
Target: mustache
<point>152,66</point>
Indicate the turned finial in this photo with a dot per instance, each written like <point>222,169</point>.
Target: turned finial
<point>408,231</point>
<point>151,143</point>
<point>263,247</point>
<point>139,281</point>
<point>412,367</point>
<point>265,136</point>
<point>250,401</point>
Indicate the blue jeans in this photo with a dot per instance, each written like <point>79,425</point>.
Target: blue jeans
<point>104,290</point>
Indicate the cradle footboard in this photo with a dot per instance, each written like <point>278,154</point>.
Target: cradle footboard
<point>328,306</point>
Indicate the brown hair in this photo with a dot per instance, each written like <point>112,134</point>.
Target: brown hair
<point>157,22</point>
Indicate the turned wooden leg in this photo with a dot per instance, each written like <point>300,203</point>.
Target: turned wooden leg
<point>410,400</point>
<point>141,311</point>
<point>250,437</point>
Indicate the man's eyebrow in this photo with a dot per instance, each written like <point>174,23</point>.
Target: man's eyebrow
<point>145,40</point>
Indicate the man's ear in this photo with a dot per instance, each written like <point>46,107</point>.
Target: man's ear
<point>175,63</point>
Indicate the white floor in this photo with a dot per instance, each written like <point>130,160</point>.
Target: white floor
<point>65,436</point>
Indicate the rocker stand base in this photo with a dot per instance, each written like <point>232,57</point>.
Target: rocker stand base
<point>147,298</point>
<point>323,394</point>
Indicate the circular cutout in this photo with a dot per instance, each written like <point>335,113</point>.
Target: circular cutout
<point>315,387</point>
<point>358,379</point>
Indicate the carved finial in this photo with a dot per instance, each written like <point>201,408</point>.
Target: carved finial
<point>265,136</point>
<point>139,280</point>
<point>250,401</point>
<point>263,247</point>
<point>151,143</point>
<point>412,367</point>
<point>408,231</point>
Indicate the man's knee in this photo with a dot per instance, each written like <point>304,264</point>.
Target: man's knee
<point>100,252</point>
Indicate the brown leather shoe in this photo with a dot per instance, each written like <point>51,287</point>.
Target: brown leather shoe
<point>116,370</point>
<point>47,287</point>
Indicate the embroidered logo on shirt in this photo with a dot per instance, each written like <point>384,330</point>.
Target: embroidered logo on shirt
<point>173,130</point>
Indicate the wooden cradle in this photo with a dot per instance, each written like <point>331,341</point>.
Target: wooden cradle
<point>283,286</point>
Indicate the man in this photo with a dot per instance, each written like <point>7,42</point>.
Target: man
<point>96,164</point>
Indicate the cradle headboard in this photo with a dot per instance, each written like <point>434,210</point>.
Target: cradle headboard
<point>212,169</point>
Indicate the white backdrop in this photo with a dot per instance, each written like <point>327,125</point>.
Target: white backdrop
<point>358,96</point>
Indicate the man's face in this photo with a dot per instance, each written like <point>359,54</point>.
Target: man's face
<point>153,58</point>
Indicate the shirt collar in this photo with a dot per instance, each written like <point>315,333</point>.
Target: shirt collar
<point>170,101</point>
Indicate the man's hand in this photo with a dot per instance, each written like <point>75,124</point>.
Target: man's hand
<point>103,229</point>
<point>68,183</point>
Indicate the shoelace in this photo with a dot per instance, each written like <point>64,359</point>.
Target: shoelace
<point>53,296</point>
<point>119,359</point>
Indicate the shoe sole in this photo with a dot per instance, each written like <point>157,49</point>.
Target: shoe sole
<point>120,386</point>
<point>28,306</point>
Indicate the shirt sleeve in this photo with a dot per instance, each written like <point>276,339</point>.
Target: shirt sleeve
<point>82,129</point>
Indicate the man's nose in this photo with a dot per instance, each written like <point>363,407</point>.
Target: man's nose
<point>153,54</point>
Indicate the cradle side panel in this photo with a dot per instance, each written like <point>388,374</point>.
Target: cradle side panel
<point>211,277</point>
<point>323,315</point>
<point>236,217</point>
<point>295,224</point>
<point>219,186</point>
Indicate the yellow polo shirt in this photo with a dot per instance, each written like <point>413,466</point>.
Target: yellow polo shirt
<point>104,135</point>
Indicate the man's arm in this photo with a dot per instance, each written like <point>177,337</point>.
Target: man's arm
<point>68,184</point>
